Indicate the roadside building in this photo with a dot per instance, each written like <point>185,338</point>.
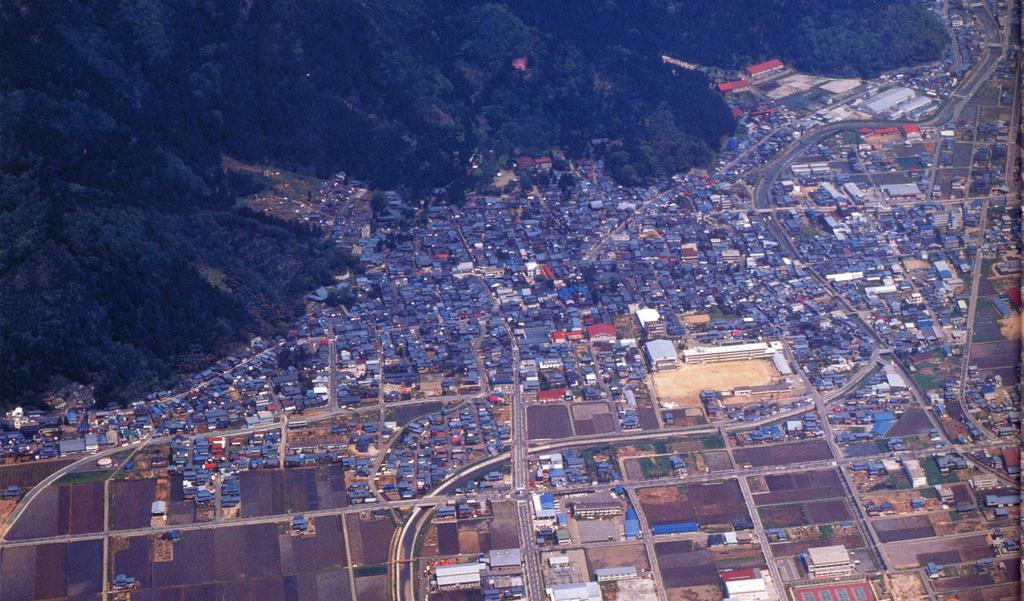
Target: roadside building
<point>828,562</point>
<point>458,576</point>
<point>746,584</point>
<point>651,322</point>
<point>734,86</point>
<point>984,481</point>
<point>915,473</point>
<point>613,574</point>
<point>661,354</point>
<point>596,506</point>
<point>504,558</point>
<point>766,68</point>
<point>575,591</point>
<point>887,100</point>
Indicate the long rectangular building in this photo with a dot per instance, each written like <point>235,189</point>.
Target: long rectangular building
<point>732,352</point>
<point>459,576</point>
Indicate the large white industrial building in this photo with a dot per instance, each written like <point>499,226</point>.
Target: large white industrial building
<point>887,100</point>
<point>459,576</point>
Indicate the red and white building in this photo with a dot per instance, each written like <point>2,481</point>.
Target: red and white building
<point>746,584</point>
<point>766,68</point>
<point>734,86</point>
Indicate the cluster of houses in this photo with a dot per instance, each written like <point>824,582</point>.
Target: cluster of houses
<point>430,448</point>
<point>806,425</point>
<point>199,459</point>
<point>568,467</point>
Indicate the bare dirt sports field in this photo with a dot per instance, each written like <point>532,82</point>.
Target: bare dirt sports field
<point>681,387</point>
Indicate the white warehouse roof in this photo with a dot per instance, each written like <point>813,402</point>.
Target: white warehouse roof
<point>661,350</point>
<point>647,316</point>
<point>577,591</point>
<point>888,99</point>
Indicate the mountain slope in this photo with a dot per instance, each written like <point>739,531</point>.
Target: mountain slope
<point>122,261</point>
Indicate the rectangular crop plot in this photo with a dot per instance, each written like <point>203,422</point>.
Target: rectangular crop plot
<point>27,475</point>
<point>682,566</point>
<point>131,503</point>
<point>710,503</point>
<point>368,538</point>
<point>259,561</point>
<point>903,528</point>
<point>57,510</point>
<point>53,570</point>
<point>824,512</point>
<point>783,454</point>
<point>800,486</point>
<point>262,493</point>
<point>548,421</point>
<point>788,515</point>
<point>448,538</point>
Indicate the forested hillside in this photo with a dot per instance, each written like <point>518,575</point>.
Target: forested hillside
<point>122,261</point>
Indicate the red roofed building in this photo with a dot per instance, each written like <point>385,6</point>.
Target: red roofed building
<point>746,584</point>
<point>733,86</point>
<point>1011,457</point>
<point>766,68</point>
<point>739,574</point>
<point>563,336</point>
<point>524,163</point>
<point>910,129</point>
<point>1014,296</point>
<point>554,394</point>
<point>601,332</point>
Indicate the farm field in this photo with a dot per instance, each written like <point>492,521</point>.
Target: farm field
<point>130,503</point>
<point>618,555</point>
<point>592,418</point>
<point>277,491</point>
<point>57,510</point>
<point>940,551</point>
<point>253,562</point>
<point>368,537</point>
<point>796,487</point>
<point>804,514</point>
<point>713,503</point>
<point>683,566</point>
<point>548,421</point>
<point>52,571</point>
<point>783,454</point>
<point>28,474</point>
<point>914,421</point>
